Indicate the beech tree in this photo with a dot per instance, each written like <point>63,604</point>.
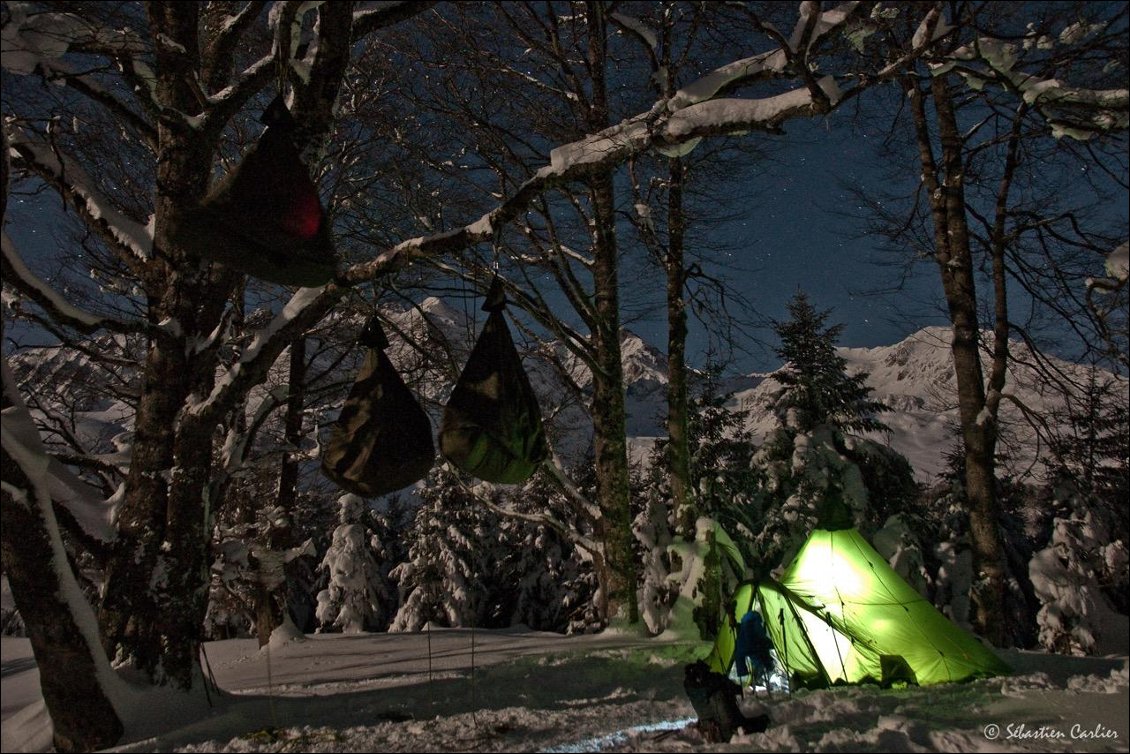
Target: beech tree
<point>983,108</point>
<point>184,71</point>
<point>157,98</point>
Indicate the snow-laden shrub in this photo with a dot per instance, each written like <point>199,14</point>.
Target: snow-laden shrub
<point>801,475</point>
<point>468,562</point>
<point>545,584</point>
<point>652,529</point>
<point>705,573</point>
<point>453,548</point>
<point>1068,576</point>
<point>351,601</point>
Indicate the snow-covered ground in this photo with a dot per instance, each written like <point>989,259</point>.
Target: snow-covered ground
<point>520,690</point>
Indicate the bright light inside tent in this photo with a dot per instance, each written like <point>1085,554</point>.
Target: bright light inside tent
<point>833,648</point>
<point>600,743</point>
<point>824,564</point>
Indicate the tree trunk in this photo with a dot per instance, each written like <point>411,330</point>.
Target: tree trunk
<point>270,597</point>
<point>157,577</point>
<point>678,418</point>
<point>71,665</point>
<point>609,415</point>
<point>608,410</point>
<point>945,185</point>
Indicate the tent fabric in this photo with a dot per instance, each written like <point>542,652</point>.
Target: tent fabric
<point>382,440</point>
<point>492,426</point>
<point>841,614</point>
<point>265,218</point>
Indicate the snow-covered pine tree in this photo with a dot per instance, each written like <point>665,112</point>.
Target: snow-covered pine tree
<point>1069,577</point>
<point>544,581</point>
<point>818,452</point>
<point>1080,577</point>
<point>453,548</point>
<point>1091,471</point>
<point>351,602</point>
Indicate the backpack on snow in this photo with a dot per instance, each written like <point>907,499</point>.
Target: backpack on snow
<point>265,218</point>
<point>382,440</point>
<point>714,698</point>
<point>492,425</point>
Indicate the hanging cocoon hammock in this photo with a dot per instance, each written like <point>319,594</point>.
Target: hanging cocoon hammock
<point>265,218</point>
<point>382,441</point>
<point>492,424</point>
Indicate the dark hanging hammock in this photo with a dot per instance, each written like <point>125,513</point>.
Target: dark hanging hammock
<point>492,424</point>
<point>265,218</point>
<point>382,441</point>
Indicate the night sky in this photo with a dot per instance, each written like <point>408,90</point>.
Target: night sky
<point>793,225</point>
<point>800,228</point>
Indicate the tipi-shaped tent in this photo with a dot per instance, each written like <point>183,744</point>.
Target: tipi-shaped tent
<point>840,614</point>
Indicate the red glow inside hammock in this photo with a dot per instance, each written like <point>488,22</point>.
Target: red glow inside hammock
<point>305,217</point>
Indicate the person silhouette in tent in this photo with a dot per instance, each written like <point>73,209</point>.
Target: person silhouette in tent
<point>752,647</point>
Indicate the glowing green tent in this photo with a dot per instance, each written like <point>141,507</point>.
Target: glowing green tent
<point>840,614</point>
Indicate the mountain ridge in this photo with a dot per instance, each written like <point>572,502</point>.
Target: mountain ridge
<point>914,377</point>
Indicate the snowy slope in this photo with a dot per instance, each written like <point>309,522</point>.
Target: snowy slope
<point>915,378</point>
<point>517,690</point>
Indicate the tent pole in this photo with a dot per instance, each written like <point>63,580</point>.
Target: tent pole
<point>785,647</point>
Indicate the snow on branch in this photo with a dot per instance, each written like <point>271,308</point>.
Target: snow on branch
<point>17,274</point>
<point>36,41</point>
<point>690,114</point>
<point>379,15</point>
<point>809,30</point>
<point>48,477</point>
<point>604,149</point>
<point>765,65</point>
<point>1117,268</point>
<point>304,309</point>
<point>731,115</point>
<point>1075,112</point>
<point>1118,263</point>
<point>641,31</point>
<point>30,38</point>
<point>132,241</point>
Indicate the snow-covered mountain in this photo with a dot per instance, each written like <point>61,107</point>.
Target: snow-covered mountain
<point>914,377</point>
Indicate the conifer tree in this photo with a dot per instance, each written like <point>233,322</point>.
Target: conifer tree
<point>352,600</point>
<point>817,463</point>
<point>816,388</point>
<point>454,549</point>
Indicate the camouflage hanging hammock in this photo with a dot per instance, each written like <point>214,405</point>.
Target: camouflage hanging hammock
<point>382,441</point>
<point>265,218</point>
<point>492,426</point>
